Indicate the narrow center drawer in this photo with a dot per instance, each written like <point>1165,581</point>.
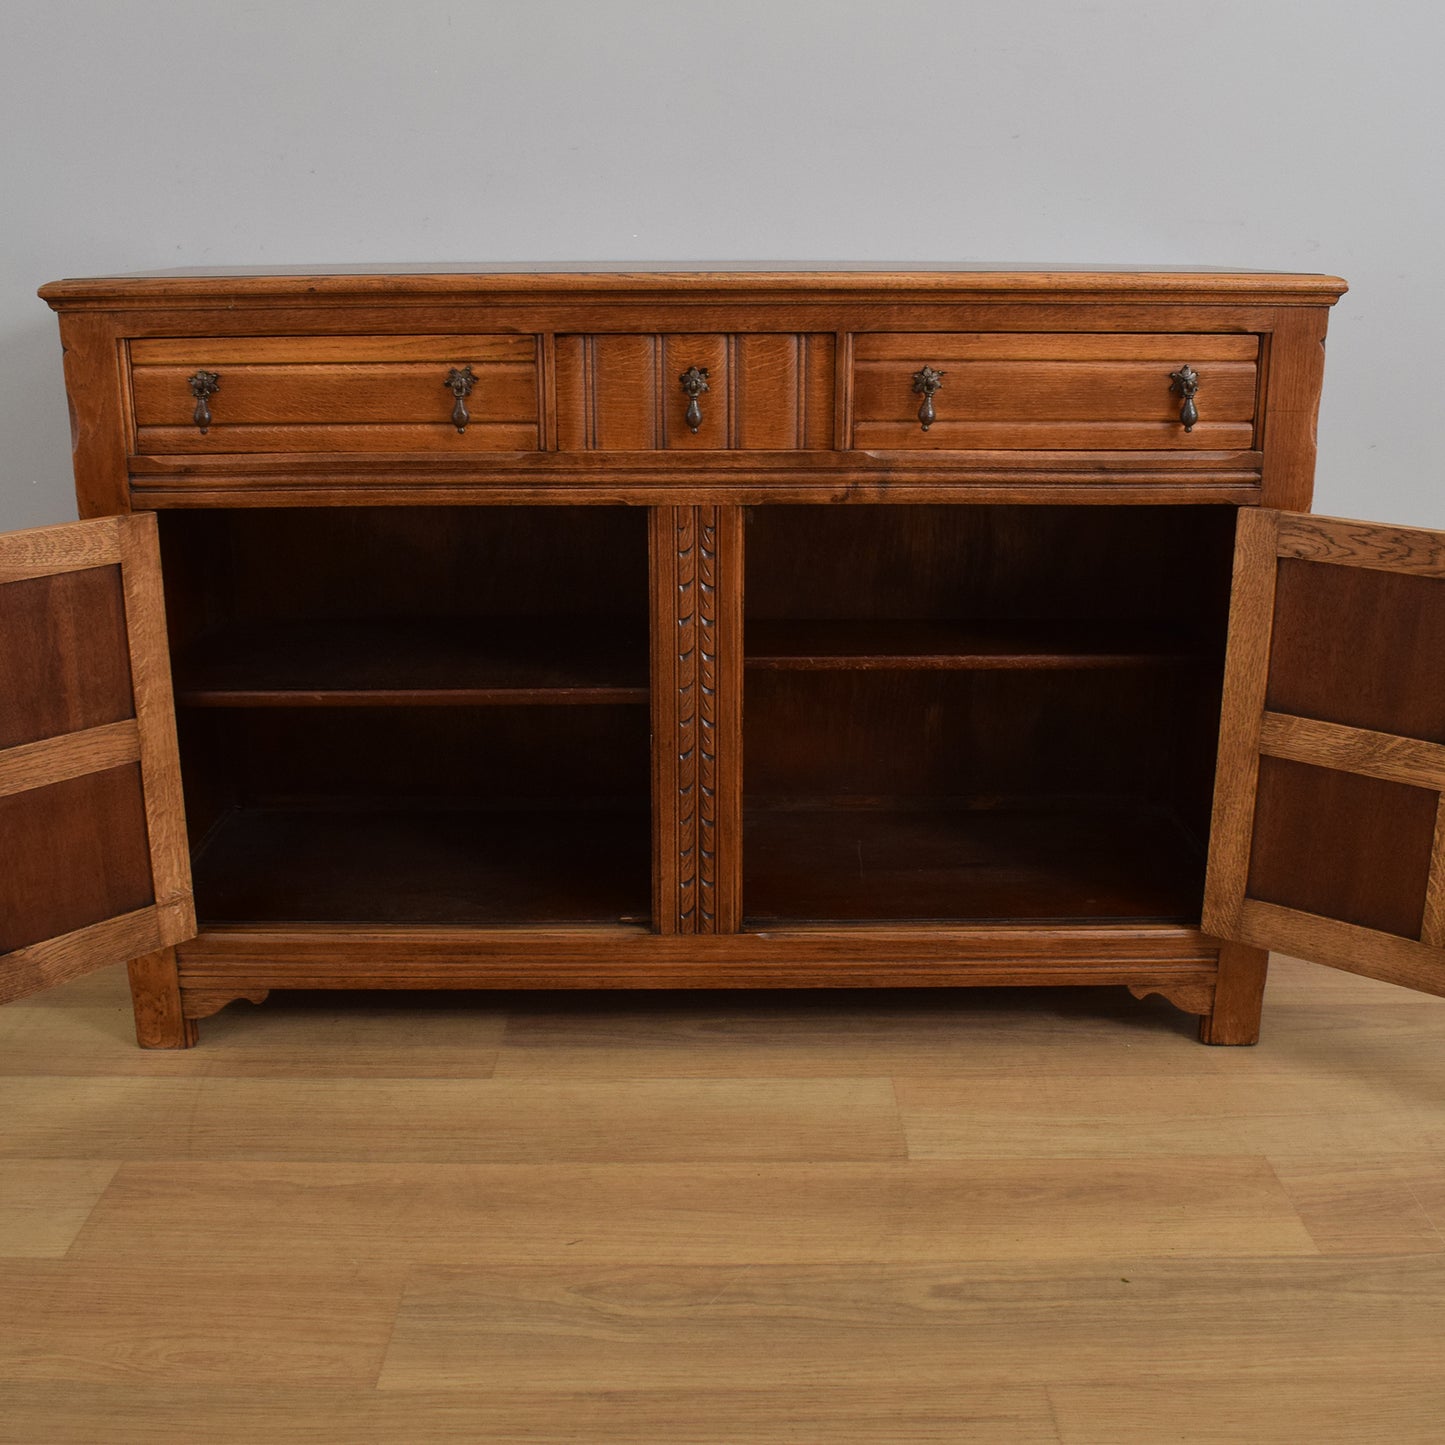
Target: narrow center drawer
<point>761,391</point>
<point>1004,392</point>
<point>344,393</point>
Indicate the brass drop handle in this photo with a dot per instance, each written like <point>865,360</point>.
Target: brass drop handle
<point>1186,383</point>
<point>926,381</point>
<point>204,385</point>
<point>460,381</point>
<point>694,383</point>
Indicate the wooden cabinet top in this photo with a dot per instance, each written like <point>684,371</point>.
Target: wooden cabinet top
<point>855,280</point>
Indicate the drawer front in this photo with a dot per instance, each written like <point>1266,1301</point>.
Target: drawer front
<point>1006,392</point>
<point>337,394</point>
<point>765,392</point>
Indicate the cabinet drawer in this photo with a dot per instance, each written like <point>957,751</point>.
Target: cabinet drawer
<point>345,393</point>
<point>764,392</point>
<point>1002,392</point>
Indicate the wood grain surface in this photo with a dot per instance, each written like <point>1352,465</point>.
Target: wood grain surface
<point>1327,836</point>
<point>320,817</point>
<point>582,365</point>
<point>92,828</point>
<point>1031,1218</point>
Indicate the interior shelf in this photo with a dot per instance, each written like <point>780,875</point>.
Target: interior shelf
<point>416,662</point>
<point>871,644</point>
<point>1083,863</point>
<point>417,865</point>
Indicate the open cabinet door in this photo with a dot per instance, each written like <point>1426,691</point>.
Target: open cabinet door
<point>94,867</point>
<point>1328,838</point>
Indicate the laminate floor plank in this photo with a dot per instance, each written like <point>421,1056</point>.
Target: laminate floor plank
<point>698,1414</point>
<point>1028,1116</point>
<point>668,1219</point>
<point>1427,1184</point>
<point>97,1117</point>
<point>449,1121</point>
<point>291,1036</point>
<point>44,1202</point>
<point>196,1323</point>
<point>806,1034</point>
<point>928,1326</point>
<point>1332,1041</point>
<point>1362,1204</point>
<point>1315,983</point>
<point>761,1213</point>
<point>1351,1407</point>
<point>105,986</point>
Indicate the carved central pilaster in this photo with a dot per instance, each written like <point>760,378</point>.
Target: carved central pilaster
<point>698,705</point>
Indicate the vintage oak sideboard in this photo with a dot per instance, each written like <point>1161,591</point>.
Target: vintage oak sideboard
<point>595,628</point>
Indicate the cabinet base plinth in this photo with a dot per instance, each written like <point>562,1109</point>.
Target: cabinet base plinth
<point>227,963</point>
<point>202,1003</point>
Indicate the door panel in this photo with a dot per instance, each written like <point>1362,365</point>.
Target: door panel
<point>1328,837</point>
<point>82,857</point>
<point>63,655</point>
<point>1346,642</point>
<point>91,826</point>
<point>1380,835</point>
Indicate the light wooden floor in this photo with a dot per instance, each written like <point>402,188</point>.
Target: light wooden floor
<point>1043,1216</point>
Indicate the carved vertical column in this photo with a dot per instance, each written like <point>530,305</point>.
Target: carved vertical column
<point>697,669</point>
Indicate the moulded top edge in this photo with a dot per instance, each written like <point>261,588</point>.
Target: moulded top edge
<point>613,278</point>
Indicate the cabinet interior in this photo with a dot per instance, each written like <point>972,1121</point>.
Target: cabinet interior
<point>981,712</point>
<point>413,714</point>
<point>951,713</point>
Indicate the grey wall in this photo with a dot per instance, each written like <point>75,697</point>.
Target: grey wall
<point>1287,134</point>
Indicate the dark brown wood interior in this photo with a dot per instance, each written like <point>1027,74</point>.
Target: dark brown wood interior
<point>441,720</point>
<point>1039,741</point>
<point>423,815</point>
<point>971,738</point>
<point>295,564</point>
<point>503,757</point>
<point>64,659</point>
<point>74,854</point>
<point>425,866</point>
<point>1045,864</point>
<point>1351,645</point>
<point>1056,564</point>
<point>420,662</point>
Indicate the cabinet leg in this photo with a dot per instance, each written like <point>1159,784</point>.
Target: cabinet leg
<point>1238,997</point>
<point>155,989</point>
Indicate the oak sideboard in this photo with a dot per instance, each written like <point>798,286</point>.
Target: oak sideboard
<point>603,628</point>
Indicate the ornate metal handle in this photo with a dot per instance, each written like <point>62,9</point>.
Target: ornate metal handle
<point>460,381</point>
<point>925,382</point>
<point>694,383</point>
<point>204,385</point>
<point>1186,383</point>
